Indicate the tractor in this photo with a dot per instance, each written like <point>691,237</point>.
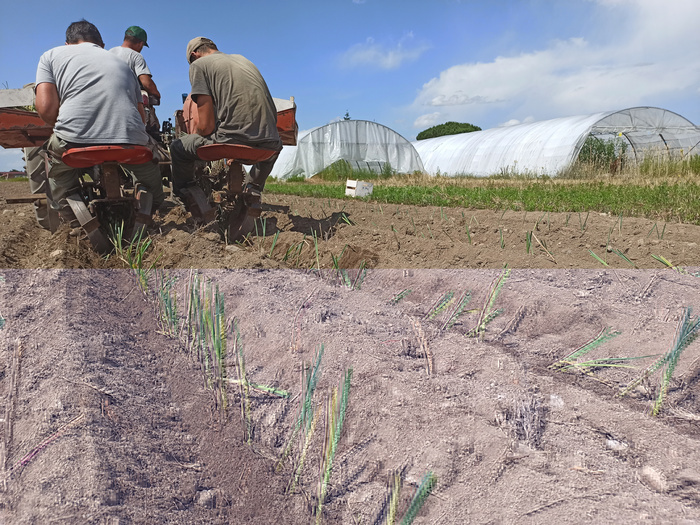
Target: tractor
<point>109,198</point>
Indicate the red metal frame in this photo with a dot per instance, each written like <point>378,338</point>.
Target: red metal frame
<point>93,155</point>
<point>22,129</point>
<point>237,152</point>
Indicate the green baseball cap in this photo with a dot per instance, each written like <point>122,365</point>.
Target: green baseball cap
<point>137,33</point>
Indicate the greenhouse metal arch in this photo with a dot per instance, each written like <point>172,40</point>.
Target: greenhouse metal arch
<point>549,147</point>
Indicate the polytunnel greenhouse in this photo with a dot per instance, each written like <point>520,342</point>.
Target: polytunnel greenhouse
<point>550,147</point>
<point>363,144</point>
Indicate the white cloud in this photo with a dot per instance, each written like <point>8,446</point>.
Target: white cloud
<point>384,56</point>
<point>515,122</point>
<point>648,60</point>
<point>426,121</point>
<point>11,159</point>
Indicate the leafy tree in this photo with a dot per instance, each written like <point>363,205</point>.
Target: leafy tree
<point>448,128</point>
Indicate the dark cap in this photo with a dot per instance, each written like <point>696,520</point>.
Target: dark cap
<point>138,34</point>
<point>194,44</point>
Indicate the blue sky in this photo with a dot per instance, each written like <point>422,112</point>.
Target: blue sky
<point>407,64</point>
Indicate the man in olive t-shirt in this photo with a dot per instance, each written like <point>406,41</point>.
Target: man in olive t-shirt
<point>234,106</point>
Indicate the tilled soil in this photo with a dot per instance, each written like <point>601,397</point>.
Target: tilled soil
<point>296,232</point>
<point>106,419</point>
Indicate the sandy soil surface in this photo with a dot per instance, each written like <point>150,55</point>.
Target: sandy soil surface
<point>106,419</point>
<point>380,235</point>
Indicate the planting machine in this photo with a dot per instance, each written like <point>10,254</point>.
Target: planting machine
<point>108,197</point>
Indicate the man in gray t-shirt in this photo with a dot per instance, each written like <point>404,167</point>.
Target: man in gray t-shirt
<point>90,97</point>
<point>130,52</point>
<point>234,106</point>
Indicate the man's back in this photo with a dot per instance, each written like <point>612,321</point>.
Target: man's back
<point>98,93</point>
<point>244,107</point>
<point>133,58</point>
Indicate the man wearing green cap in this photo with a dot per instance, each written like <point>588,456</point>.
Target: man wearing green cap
<point>135,39</point>
<point>90,97</point>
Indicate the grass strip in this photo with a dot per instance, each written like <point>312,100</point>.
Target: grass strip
<point>658,201</point>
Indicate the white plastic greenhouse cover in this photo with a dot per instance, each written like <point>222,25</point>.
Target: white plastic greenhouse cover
<point>365,144</point>
<point>550,146</point>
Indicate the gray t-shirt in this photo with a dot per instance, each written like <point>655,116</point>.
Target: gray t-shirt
<point>98,93</point>
<point>245,111</point>
<point>135,60</point>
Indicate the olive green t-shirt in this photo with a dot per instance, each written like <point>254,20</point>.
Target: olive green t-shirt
<point>245,111</point>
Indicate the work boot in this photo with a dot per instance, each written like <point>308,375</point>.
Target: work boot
<point>252,196</point>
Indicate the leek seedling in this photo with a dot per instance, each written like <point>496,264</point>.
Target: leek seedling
<point>439,305</point>
<point>274,243</point>
<point>488,313</point>
<point>601,261</point>
<point>318,261</point>
<point>528,241</point>
<point>243,384</point>
<point>426,486</point>
<point>605,334</point>
<point>310,376</point>
<point>399,296</point>
<point>687,331</point>
<point>663,261</point>
<point>582,225</point>
<point>335,417</point>
<point>166,298</point>
<point>624,257</point>
<point>396,237</point>
<point>134,253</point>
<point>458,309</point>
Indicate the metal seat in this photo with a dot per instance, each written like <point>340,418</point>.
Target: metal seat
<point>102,203</point>
<point>237,152</point>
<point>88,156</point>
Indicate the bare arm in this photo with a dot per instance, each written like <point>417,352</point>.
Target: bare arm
<point>149,85</point>
<point>206,114</point>
<point>47,102</point>
<point>142,112</point>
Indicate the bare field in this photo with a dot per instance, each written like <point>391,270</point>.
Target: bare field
<point>107,419</point>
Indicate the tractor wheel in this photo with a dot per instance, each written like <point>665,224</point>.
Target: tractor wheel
<point>35,167</point>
